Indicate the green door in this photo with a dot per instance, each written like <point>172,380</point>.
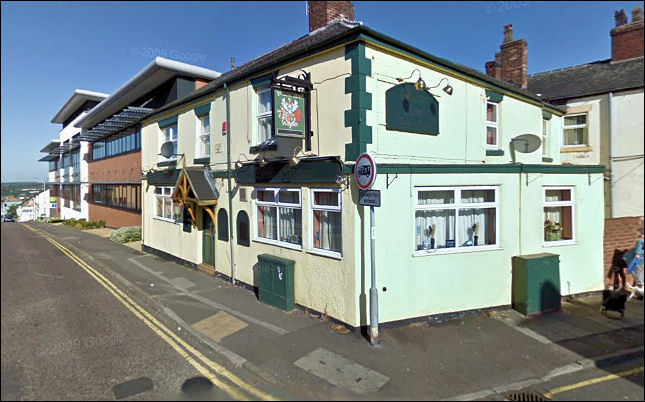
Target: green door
<point>208,239</point>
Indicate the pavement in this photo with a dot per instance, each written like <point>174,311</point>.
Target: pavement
<point>462,357</point>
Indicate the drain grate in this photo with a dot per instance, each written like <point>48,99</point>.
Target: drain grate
<point>526,396</point>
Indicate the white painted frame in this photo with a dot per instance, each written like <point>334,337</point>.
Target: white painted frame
<point>172,204</point>
<point>314,207</point>
<point>565,128</point>
<point>202,133</point>
<point>571,203</point>
<point>494,124</point>
<point>276,204</point>
<point>456,205</point>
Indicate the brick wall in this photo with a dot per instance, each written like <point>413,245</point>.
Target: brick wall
<point>322,13</point>
<point>627,38</point>
<point>118,169</point>
<point>627,41</point>
<point>122,168</point>
<point>620,235</point>
<point>114,217</point>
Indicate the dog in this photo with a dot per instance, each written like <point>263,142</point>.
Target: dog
<point>636,290</point>
<point>613,300</point>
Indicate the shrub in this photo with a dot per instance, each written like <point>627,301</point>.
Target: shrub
<point>83,224</point>
<point>126,234</point>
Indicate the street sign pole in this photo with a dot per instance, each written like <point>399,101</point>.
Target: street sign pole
<point>373,290</point>
<point>365,175</point>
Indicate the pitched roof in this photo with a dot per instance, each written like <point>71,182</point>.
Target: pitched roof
<point>327,36</point>
<point>588,79</point>
<point>201,183</point>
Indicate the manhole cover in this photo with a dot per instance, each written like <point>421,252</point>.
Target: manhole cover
<point>526,396</point>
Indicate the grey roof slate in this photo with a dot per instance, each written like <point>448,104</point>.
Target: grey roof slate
<point>201,183</point>
<point>320,38</point>
<point>588,79</point>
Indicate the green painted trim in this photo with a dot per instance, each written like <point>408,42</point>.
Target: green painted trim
<point>219,174</point>
<point>494,152</point>
<point>356,85</point>
<point>169,121</point>
<point>482,168</point>
<point>167,163</point>
<point>199,161</point>
<point>262,81</point>
<point>494,96</point>
<point>202,110</point>
<point>546,115</point>
<point>545,159</point>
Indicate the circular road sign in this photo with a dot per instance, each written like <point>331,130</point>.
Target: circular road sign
<point>365,171</point>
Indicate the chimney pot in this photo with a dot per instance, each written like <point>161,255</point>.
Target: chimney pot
<point>637,14</point>
<point>508,33</point>
<point>620,17</point>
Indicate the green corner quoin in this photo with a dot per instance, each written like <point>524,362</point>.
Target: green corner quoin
<point>356,85</point>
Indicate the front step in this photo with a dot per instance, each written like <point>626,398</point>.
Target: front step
<point>206,268</point>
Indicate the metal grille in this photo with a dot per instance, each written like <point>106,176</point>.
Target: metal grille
<point>525,396</point>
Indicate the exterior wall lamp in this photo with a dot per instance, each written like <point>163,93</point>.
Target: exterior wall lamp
<point>239,164</point>
<point>263,161</point>
<point>420,84</point>
<point>294,160</point>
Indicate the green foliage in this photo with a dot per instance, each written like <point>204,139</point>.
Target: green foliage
<point>126,234</point>
<point>82,224</point>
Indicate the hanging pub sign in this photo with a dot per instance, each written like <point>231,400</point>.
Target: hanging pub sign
<point>290,112</point>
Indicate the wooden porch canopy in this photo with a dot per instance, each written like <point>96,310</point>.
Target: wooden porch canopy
<point>195,188</point>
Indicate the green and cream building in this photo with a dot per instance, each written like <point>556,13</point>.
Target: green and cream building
<point>457,204</point>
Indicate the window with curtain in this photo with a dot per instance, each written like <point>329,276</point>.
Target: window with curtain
<point>279,212</point>
<point>448,219</point>
<point>165,208</point>
<point>327,216</point>
<point>575,130</point>
<point>169,133</point>
<point>264,115</point>
<point>558,214</point>
<point>222,225</point>
<point>203,140</point>
<point>492,125</point>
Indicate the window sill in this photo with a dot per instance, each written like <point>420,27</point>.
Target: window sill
<point>560,243</point>
<point>167,163</point>
<point>165,220</point>
<point>203,160</point>
<point>324,253</point>
<point>576,148</point>
<point>268,145</point>
<point>452,250</point>
<point>279,244</point>
<point>547,160</point>
<point>494,152</point>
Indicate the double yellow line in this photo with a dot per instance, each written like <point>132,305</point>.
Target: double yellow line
<point>216,373</point>
<point>592,381</point>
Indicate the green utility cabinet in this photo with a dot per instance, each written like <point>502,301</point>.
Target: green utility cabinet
<point>536,283</point>
<point>276,282</point>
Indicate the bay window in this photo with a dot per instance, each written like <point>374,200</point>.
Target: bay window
<point>452,218</point>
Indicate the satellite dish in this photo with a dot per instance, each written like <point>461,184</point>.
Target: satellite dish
<point>525,143</point>
<point>167,149</point>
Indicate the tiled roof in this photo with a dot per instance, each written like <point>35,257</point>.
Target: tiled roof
<point>317,40</point>
<point>588,79</point>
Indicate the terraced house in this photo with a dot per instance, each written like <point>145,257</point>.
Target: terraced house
<point>254,170</point>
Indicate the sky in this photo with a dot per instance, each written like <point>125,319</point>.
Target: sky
<point>49,49</point>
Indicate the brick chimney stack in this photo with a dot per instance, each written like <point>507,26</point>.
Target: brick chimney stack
<point>322,13</point>
<point>627,38</point>
<point>511,63</point>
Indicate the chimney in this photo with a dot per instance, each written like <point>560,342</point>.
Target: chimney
<point>627,38</point>
<point>511,63</point>
<point>322,13</point>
